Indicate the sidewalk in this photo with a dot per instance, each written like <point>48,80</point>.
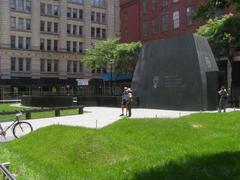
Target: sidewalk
<point>98,117</point>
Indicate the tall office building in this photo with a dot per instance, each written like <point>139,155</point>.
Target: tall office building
<point>42,42</point>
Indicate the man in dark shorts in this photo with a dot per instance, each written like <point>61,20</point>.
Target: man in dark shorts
<point>124,100</point>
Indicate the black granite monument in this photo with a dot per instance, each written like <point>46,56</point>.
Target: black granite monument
<point>178,73</point>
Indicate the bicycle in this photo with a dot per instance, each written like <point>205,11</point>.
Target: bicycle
<point>19,128</point>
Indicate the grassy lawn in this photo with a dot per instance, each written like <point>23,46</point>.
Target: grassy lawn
<point>200,146</point>
<point>9,107</point>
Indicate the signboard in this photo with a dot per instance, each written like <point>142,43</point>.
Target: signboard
<point>82,82</point>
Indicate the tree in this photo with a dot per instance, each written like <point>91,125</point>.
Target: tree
<point>223,36</point>
<point>209,9</point>
<point>111,53</point>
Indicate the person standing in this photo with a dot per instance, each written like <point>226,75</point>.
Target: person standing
<point>129,103</point>
<point>124,100</point>
<point>223,98</point>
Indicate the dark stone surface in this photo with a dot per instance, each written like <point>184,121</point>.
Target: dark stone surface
<point>47,101</point>
<point>178,73</point>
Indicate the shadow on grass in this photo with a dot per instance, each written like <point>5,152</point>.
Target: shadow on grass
<point>218,166</point>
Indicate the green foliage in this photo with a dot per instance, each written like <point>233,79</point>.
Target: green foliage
<point>200,146</point>
<point>209,9</point>
<point>222,34</point>
<point>111,52</point>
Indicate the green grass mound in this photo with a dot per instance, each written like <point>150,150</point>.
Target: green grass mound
<point>200,146</point>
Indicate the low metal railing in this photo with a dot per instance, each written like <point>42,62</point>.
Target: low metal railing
<point>6,173</point>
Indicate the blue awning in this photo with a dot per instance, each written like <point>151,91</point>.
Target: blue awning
<point>117,76</point>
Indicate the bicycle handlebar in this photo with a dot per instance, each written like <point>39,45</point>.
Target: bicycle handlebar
<point>19,114</point>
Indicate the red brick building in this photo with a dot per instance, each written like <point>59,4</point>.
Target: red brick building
<point>148,20</point>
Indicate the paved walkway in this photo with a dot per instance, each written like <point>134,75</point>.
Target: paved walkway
<point>98,117</point>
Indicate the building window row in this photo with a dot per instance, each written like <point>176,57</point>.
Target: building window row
<point>98,33</point>
<point>49,9</point>
<point>75,1</point>
<point>155,4</point>
<point>49,65</point>
<point>74,13</point>
<point>98,17</point>
<point>74,46</point>
<point>20,23</point>
<point>20,64</point>
<point>20,42</point>
<point>98,70</point>
<point>21,5</point>
<point>48,44</point>
<point>98,3</point>
<point>51,27</point>
<point>74,66</point>
<point>74,30</point>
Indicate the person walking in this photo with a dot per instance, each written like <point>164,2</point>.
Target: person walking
<point>129,103</point>
<point>124,100</point>
<point>223,98</point>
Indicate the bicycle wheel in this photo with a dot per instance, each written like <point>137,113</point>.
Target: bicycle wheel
<point>21,129</point>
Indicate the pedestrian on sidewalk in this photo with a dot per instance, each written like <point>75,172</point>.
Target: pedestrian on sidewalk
<point>223,98</point>
<point>124,100</point>
<point>129,103</point>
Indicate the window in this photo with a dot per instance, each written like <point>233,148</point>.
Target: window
<point>49,44</point>
<point>74,13</point>
<point>154,4</point>
<point>49,65</point>
<point>55,10</point>
<point>69,29</point>
<point>92,32</point>
<point>74,66</point>
<point>145,6</point>
<point>20,42</point>
<point>125,16</point>
<point>175,1</point>
<point>42,65</point>
<point>98,17</point>
<point>20,5</point>
<point>13,22</point>
<point>98,3</point>
<point>20,64</point>
<point>74,29</point>
<point>103,33</point>
<point>56,27</point>
<point>126,32</point>
<point>42,46</point>
<point>49,9</point>
<point>176,20</point>
<point>74,46</point>
<point>49,26</point>
<point>165,23</point>
<point>98,33</point>
<point>69,63</point>
<point>164,3</point>
<point>28,43</point>
<point>55,66</point>
<point>103,18</point>
<point>80,14</point>
<point>92,16</point>
<point>190,14</point>
<point>80,67</point>
<point>28,64</point>
<point>28,24</point>
<point>155,25</point>
<point>68,46</point>
<point>145,28</point>
<point>43,8</point>
<point>28,6</point>
<point>80,30</point>
<point>55,45</point>
<point>69,12</point>
<point>13,4</point>
<point>80,47</point>
<point>20,23</point>
<point>13,41</point>
<point>13,64</point>
<point>42,26</point>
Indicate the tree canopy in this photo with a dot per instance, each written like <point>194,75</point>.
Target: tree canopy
<point>209,9</point>
<point>111,52</point>
<point>223,35</point>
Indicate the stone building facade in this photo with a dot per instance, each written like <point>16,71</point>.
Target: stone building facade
<point>42,42</point>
